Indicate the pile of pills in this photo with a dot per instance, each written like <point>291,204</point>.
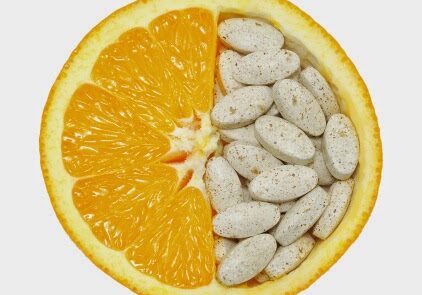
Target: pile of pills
<point>284,179</point>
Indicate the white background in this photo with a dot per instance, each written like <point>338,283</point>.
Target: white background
<point>383,39</point>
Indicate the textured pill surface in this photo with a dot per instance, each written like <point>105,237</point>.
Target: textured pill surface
<point>242,107</point>
<point>266,67</point>
<point>246,220</point>
<point>304,214</point>
<point>340,195</point>
<point>318,86</point>
<point>273,111</point>
<point>249,35</point>
<point>282,184</point>
<point>298,106</point>
<point>248,160</point>
<point>317,141</point>
<point>340,147</point>
<point>244,134</point>
<point>290,257</point>
<point>324,175</point>
<point>246,260</point>
<point>223,184</point>
<point>284,140</point>
<point>246,195</point>
<point>222,247</point>
<point>284,207</point>
<point>226,62</point>
<point>218,94</point>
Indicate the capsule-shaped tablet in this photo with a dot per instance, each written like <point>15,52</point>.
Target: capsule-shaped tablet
<point>340,147</point>
<point>304,214</point>
<point>226,62</point>
<point>266,67</point>
<point>324,175</point>
<point>248,35</point>
<point>246,220</point>
<point>273,230</point>
<point>283,184</point>
<point>318,86</point>
<point>284,207</point>
<point>223,184</point>
<point>273,111</point>
<point>222,247</point>
<point>242,107</point>
<point>246,260</point>
<point>290,257</point>
<point>244,134</point>
<point>218,94</point>
<point>284,140</point>
<point>248,160</point>
<point>340,195</point>
<point>298,106</point>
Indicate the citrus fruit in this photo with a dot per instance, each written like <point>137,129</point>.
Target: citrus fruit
<point>126,134</point>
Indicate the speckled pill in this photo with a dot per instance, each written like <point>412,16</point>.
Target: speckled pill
<point>282,184</point>
<point>244,134</point>
<point>226,62</point>
<point>273,230</point>
<point>248,35</point>
<point>340,194</point>
<point>284,140</point>
<point>222,247</point>
<point>223,184</point>
<point>298,106</point>
<point>317,141</point>
<point>218,94</point>
<point>318,86</point>
<point>290,257</point>
<point>246,195</point>
<point>273,111</point>
<point>324,175</point>
<point>246,220</point>
<point>340,147</point>
<point>284,207</point>
<point>266,67</point>
<point>246,260</point>
<point>304,214</point>
<point>242,107</point>
<point>248,160</point>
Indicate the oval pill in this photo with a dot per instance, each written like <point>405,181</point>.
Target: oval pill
<point>282,184</point>
<point>244,134</point>
<point>226,62</point>
<point>340,147</point>
<point>247,35</point>
<point>246,220</point>
<point>222,247</point>
<point>298,106</point>
<point>242,107</point>
<point>248,160</point>
<point>223,184</point>
<point>284,140</point>
<point>304,214</point>
<point>246,260</point>
<point>284,207</point>
<point>324,175</point>
<point>266,67</point>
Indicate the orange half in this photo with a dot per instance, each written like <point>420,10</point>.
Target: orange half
<point>126,134</point>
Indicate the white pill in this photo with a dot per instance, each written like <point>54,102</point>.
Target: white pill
<point>324,175</point>
<point>246,220</point>
<point>248,160</point>
<point>262,278</point>
<point>218,94</point>
<point>223,184</point>
<point>284,140</point>
<point>242,107</point>
<point>298,106</point>
<point>246,260</point>
<point>266,67</point>
<point>304,214</point>
<point>340,194</point>
<point>340,147</point>
<point>318,86</point>
<point>273,230</point>
<point>244,134</point>
<point>282,184</point>
<point>273,111</point>
<point>222,247</point>
<point>290,257</point>
<point>284,207</point>
<point>317,141</point>
<point>226,62</point>
<point>249,35</point>
<point>246,195</point>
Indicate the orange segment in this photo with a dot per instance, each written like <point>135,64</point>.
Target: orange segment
<point>176,244</point>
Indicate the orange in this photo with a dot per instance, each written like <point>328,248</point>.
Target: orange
<point>126,134</point>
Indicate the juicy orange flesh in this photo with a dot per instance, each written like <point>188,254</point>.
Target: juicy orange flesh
<point>116,143</point>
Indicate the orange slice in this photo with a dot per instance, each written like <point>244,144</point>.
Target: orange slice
<point>126,134</point>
